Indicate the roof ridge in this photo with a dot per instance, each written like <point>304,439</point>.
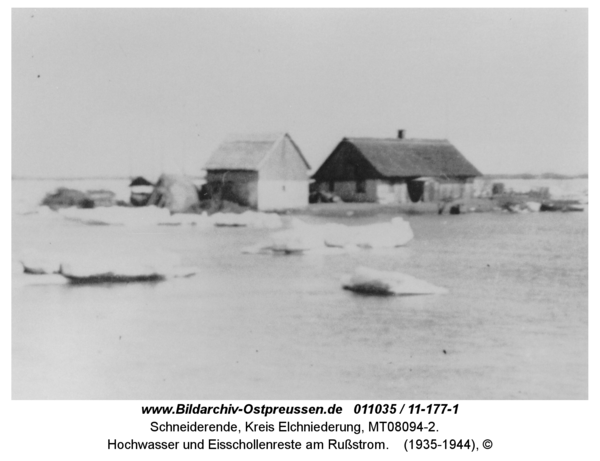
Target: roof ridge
<point>248,152</point>
<point>420,140</point>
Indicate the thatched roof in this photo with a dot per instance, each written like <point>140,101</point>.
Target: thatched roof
<point>246,152</point>
<point>400,158</point>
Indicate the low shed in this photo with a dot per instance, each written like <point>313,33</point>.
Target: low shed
<point>262,171</point>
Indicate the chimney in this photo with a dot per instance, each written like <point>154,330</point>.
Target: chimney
<point>401,134</point>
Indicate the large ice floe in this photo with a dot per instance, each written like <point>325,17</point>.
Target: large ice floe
<point>154,216</point>
<point>118,216</point>
<point>374,282</point>
<point>108,268</point>
<point>334,238</point>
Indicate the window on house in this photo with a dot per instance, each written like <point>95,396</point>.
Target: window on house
<point>361,186</point>
<point>331,186</point>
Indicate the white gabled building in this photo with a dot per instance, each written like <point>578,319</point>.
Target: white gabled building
<point>262,171</point>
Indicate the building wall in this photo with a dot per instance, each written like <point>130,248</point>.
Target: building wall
<point>282,194</point>
<point>455,189</point>
<point>395,191</point>
<point>234,185</point>
<point>283,178</point>
<point>390,192</point>
<point>469,189</point>
<point>347,190</point>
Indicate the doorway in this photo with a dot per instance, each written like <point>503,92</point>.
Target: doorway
<point>415,190</point>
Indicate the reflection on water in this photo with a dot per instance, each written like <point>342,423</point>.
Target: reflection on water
<point>280,327</point>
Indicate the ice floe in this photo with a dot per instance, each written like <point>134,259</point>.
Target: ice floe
<point>326,238</point>
<point>38,263</point>
<point>109,268</point>
<point>118,216</point>
<point>152,216</point>
<point>370,281</point>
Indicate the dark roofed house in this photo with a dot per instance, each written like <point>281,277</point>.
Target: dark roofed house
<point>396,170</point>
<point>262,171</point>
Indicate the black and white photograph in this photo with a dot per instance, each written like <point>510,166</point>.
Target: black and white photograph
<point>299,204</point>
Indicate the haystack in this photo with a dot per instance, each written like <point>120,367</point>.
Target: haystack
<point>176,193</point>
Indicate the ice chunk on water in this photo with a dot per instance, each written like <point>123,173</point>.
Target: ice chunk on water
<point>303,237</point>
<point>35,262</point>
<point>371,281</point>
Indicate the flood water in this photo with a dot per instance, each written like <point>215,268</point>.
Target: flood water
<point>513,326</point>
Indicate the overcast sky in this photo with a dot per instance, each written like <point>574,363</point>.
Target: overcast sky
<point>120,92</point>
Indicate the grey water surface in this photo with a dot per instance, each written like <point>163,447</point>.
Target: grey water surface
<point>513,326</point>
